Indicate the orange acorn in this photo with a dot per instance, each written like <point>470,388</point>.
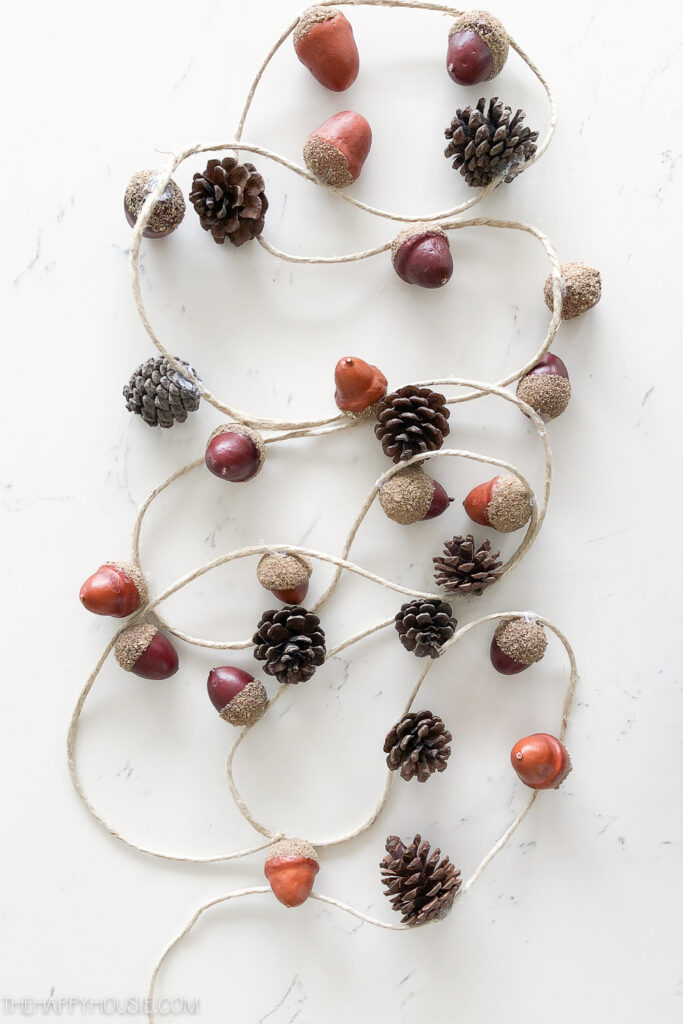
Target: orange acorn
<point>336,151</point>
<point>541,761</point>
<point>359,385</point>
<point>116,589</point>
<point>503,503</point>
<point>291,866</point>
<point>324,43</point>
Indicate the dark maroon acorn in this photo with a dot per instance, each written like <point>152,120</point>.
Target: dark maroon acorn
<point>235,452</point>
<point>144,651</point>
<point>552,365</point>
<point>238,697</point>
<point>440,501</point>
<point>167,212</point>
<point>226,682</point>
<point>421,255</point>
<point>546,387</point>
<point>517,644</point>
<point>477,48</point>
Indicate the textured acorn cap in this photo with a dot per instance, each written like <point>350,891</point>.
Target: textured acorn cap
<point>326,162</point>
<point>407,495</point>
<point>581,289</point>
<point>246,707</point>
<point>292,848</point>
<point>242,428</point>
<point>132,643</point>
<point>491,30</point>
<point>420,227</point>
<point>167,212</point>
<point>523,640</point>
<point>282,571</point>
<point>311,17</point>
<point>548,394</point>
<point>510,506</point>
<point>137,576</point>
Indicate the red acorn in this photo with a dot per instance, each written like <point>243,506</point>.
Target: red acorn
<point>324,43</point>
<point>144,651</point>
<point>477,48</point>
<point>116,589</point>
<point>291,866</point>
<point>359,385</point>
<point>503,503</point>
<point>546,387</point>
<point>517,643</point>
<point>336,151</point>
<point>541,761</point>
<point>421,254</point>
<point>235,452</point>
<point>411,496</point>
<point>238,697</point>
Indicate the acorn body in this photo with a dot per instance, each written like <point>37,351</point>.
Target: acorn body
<point>167,212</point>
<point>421,255</point>
<point>517,643</point>
<point>411,496</point>
<point>145,651</point>
<point>235,452</point>
<point>541,761</point>
<point>286,576</point>
<point>336,151</point>
<point>238,697</point>
<point>503,503</point>
<point>546,387</point>
<point>478,47</point>
<point>291,866</point>
<point>117,589</point>
<point>359,385</point>
<point>324,43</point>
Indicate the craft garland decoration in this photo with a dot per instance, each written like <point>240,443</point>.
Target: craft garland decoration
<point>489,145</point>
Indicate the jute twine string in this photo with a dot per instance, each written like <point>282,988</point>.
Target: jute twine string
<point>289,430</point>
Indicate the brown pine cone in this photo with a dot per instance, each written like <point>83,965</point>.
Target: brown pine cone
<point>230,200</point>
<point>160,394</point>
<point>418,745</point>
<point>466,569</point>
<point>411,421</point>
<point>291,643</point>
<point>486,145</point>
<point>420,887</point>
<point>424,626</point>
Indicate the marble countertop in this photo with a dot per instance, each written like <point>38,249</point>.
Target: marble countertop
<point>579,917</point>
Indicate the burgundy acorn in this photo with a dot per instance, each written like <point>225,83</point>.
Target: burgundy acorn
<point>237,696</point>
<point>546,387</point>
<point>167,212</point>
<point>143,650</point>
<point>517,643</point>
<point>285,575</point>
<point>411,496</point>
<point>477,48</point>
<point>235,452</point>
<point>421,255</point>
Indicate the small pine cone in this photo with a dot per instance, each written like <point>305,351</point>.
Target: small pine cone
<point>466,569</point>
<point>486,145</point>
<point>424,626</point>
<point>230,200</point>
<point>411,421</point>
<point>418,745</point>
<point>420,886</point>
<point>160,394</point>
<point>291,643</point>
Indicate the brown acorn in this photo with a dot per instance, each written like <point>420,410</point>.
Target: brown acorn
<point>517,643</point>
<point>324,43</point>
<point>503,503</point>
<point>336,151</point>
<point>144,651</point>
<point>359,385</point>
<point>541,761</point>
<point>116,589</point>
<point>546,387</point>
<point>581,289</point>
<point>168,211</point>
<point>291,866</point>
<point>411,496</point>
<point>421,254</point>
<point>286,576</point>
<point>478,47</point>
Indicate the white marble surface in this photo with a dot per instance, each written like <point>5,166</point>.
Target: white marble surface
<point>579,918</point>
